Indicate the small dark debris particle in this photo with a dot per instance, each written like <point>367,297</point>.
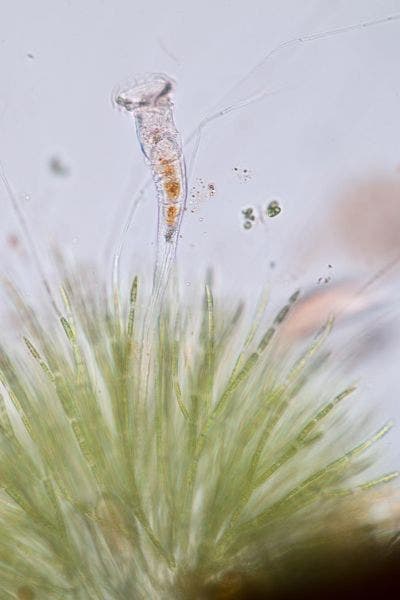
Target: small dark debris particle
<point>330,267</point>
<point>272,264</point>
<point>58,167</point>
<point>273,209</point>
<point>248,213</point>
<point>323,280</point>
<point>30,55</point>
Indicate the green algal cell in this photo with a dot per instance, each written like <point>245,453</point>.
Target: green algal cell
<point>273,209</point>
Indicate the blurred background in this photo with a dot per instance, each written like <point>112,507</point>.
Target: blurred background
<point>289,113</point>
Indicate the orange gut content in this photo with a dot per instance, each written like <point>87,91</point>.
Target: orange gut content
<point>172,213</point>
<point>172,189</point>
<point>171,183</point>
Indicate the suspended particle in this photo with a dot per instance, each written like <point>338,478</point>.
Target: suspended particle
<point>199,193</point>
<point>244,175</point>
<point>57,167</point>
<point>211,189</point>
<point>248,213</point>
<point>273,209</point>
<point>323,280</point>
<point>249,217</point>
<point>30,55</point>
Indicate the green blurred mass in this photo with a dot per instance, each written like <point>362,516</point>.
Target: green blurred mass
<point>149,454</point>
